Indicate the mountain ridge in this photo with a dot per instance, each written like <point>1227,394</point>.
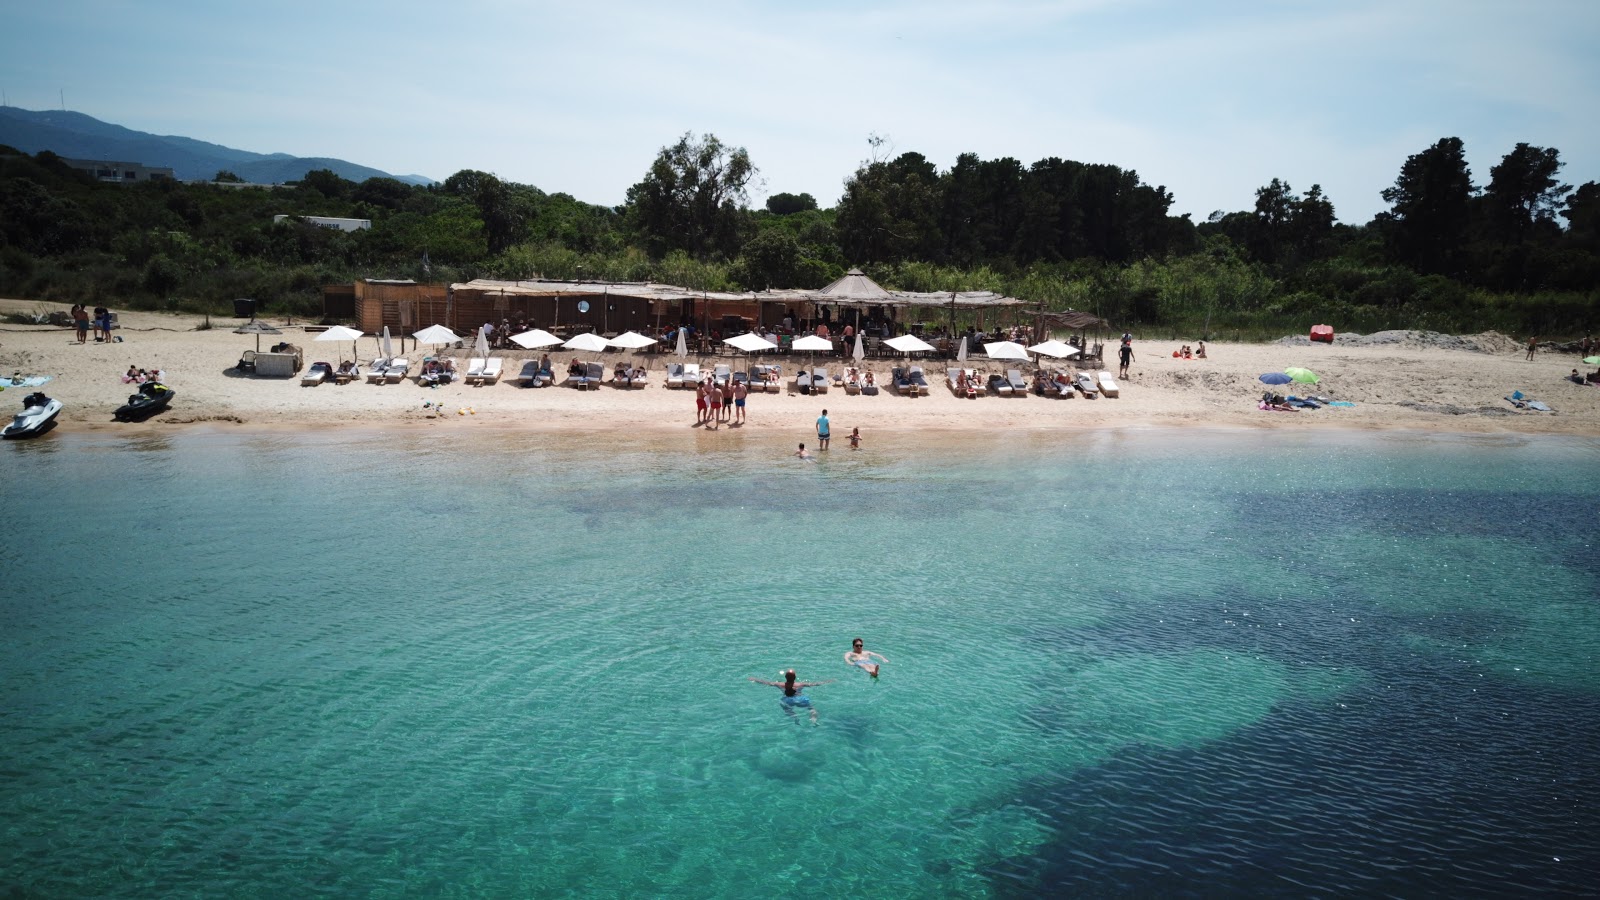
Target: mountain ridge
<point>76,135</point>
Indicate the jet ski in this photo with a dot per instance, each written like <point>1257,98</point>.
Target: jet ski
<point>153,397</point>
<point>38,411</point>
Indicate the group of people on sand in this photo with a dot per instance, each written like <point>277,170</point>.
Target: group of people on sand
<point>1184,352</point>
<point>715,402</point>
<point>858,655</point>
<point>82,322</point>
<point>626,373</point>
<point>140,376</point>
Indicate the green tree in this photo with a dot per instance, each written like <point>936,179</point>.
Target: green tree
<point>693,198</point>
<point>789,204</point>
<point>327,183</point>
<point>1523,191</point>
<point>1430,207</point>
<point>889,211</point>
<point>226,177</point>
<point>769,260</point>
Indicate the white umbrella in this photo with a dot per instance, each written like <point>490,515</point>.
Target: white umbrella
<point>1006,350</point>
<point>683,343</point>
<point>961,355</point>
<point>481,345</point>
<point>1054,348</point>
<point>340,333</point>
<point>588,342</point>
<point>908,343</point>
<point>860,352</point>
<point>750,342</point>
<point>388,350</point>
<point>533,340</point>
<point>631,340</point>
<point>435,334</point>
<point>811,344</point>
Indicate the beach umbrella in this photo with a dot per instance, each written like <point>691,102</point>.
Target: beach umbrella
<point>435,334</point>
<point>481,345</point>
<point>683,343</point>
<point>1055,348</point>
<point>908,343</point>
<point>630,340</point>
<point>1275,378</point>
<point>1005,350</point>
<point>811,344</point>
<point>1302,376</point>
<point>257,329</point>
<point>961,353</point>
<point>533,340</point>
<point>341,333</point>
<point>750,342</point>
<point>588,342</point>
<point>388,349</point>
<point>860,352</point>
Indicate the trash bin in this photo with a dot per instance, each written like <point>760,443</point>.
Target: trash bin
<point>244,309</point>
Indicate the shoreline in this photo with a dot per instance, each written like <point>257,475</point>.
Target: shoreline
<point>1395,388</point>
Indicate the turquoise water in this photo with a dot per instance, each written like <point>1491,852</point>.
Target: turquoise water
<point>1136,662</point>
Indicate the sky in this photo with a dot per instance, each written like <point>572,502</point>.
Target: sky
<point>1210,99</point>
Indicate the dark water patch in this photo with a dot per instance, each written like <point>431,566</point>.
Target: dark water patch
<point>1426,795</point>
<point>1417,513</point>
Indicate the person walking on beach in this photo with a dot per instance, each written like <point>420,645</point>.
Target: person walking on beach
<point>80,321</point>
<point>792,697</point>
<point>1124,358</point>
<point>740,391</point>
<point>859,655</point>
<point>822,431</point>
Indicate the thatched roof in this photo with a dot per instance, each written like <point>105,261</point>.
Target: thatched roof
<point>1074,320</point>
<point>862,291</point>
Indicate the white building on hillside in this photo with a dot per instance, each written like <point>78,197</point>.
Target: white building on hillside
<point>330,222</point>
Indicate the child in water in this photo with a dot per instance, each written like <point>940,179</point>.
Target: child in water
<point>855,439</point>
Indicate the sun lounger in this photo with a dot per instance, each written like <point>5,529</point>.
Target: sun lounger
<point>578,379</point>
<point>396,370</point>
<point>691,375</point>
<point>475,367</point>
<point>317,374</point>
<point>594,373</point>
<point>997,383</point>
<point>675,375</point>
<point>852,380</point>
<point>489,374</point>
<point>819,380</point>
<point>1108,385</point>
<point>918,380</point>
<point>774,379</point>
<point>721,374</point>
<point>758,379</point>
<point>1019,387</point>
<point>802,381</point>
<point>345,376</point>
<point>1086,385</point>
<point>529,375</point>
<point>869,384</point>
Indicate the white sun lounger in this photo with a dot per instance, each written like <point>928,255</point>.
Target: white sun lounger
<point>675,375</point>
<point>1086,385</point>
<point>774,379</point>
<point>691,375</point>
<point>396,372</point>
<point>317,374</point>
<point>1108,385</point>
<point>918,380</point>
<point>529,375</point>
<point>1019,386</point>
<point>375,370</point>
<point>475,368</point>
<point>819,380</point>
<point>722,375</point>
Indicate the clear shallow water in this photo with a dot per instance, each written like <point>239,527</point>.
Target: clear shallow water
<point>1139,662</point>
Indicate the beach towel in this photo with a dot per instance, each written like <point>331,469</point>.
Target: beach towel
<point>16,381</point>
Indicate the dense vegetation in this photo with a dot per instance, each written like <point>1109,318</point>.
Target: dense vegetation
<point>1521,254</point>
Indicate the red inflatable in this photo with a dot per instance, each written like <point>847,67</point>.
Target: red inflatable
<point>1323,333</point>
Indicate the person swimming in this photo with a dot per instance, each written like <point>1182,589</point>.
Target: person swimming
<point>791,692</point>
<point>859,656</point>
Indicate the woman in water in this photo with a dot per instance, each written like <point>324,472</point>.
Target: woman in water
<point>791,692</point>
<point>859,656</point>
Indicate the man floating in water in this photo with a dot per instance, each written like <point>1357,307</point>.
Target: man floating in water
<point>791,692</point>
<point>860,656</point>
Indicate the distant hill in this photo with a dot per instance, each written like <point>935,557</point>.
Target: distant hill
<point>77,136</point>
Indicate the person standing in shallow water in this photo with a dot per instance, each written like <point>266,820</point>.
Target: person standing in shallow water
<point>822,431</point>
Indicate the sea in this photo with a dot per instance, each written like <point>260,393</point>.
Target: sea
<point>465,662</point>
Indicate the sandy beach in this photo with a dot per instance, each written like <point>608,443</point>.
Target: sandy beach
<point>1397,381</point>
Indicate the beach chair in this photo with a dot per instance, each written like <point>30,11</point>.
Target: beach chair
<point>1019,386</point>
<point>1108,385</point>
<point>1060,385</point>
<point>722,375</point>
<point>819,380</point>
<point>952,379</point>
<point>475,367</point>
<point>1086,385</point>
<point>529,375</point>
<point>578,379</point>
<point>675,375</point>
<point>757,379</point>
<point>317,374</point>
<point>346,376</point>
<point>802,381</point>
<point>999,384</point>
<point>396,370</point>
<point>691,375</point>
<point>774,379</point>
<point>852,380</point>
<point>919,381</point>
<point>869,384</point>
<point>375,370</point>
<point>594,374</point>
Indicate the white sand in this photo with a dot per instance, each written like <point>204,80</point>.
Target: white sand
<point>1394,386</point>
